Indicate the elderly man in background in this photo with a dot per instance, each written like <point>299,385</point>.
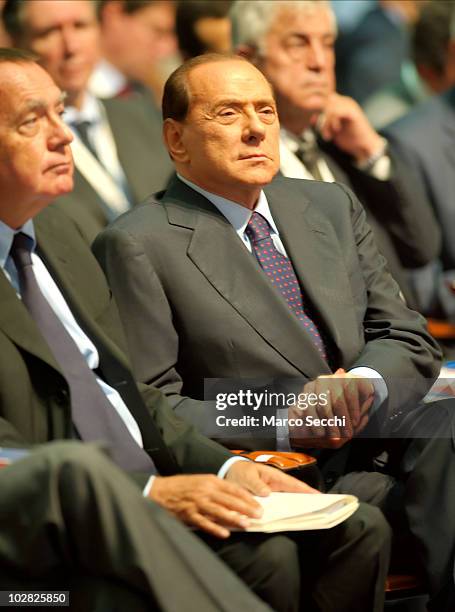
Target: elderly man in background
<point>117,148</point>
<point>326,136</point>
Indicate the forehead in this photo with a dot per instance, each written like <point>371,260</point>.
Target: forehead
<point>310,21</point>
<point>41,14</point>
<point>24,83</point>
<point>211,83</point>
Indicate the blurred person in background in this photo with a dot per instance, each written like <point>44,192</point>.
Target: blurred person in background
<point>117,148</point>
<point>138,46</point>
<point>4,38</point>
<point>326,136</point>
<point>427,137</point>
<point>203,26</point>
<point>423,74</point>
<point>370,56</point>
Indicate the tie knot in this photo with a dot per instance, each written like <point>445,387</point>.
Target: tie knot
<point>308,150</point>
<point>258,228</point>
<point>21,250</point>
<point>82,125</point>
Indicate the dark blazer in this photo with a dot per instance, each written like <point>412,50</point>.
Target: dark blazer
<point>404,224</point>
<point>35,404</point>
<point>195,304</point>
<point>427,137</point>
<point>142,155</point>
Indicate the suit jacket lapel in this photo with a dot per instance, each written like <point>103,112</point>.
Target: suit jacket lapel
<point>216,250</point>
<point>17,324</point>
<point>56,252</point>
<point>313,247</point>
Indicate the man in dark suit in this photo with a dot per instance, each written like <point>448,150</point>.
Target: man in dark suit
<point>118,150</point>
<point>63,374</point>
<point>327,136</point>
<point>231,275</point>
<point>427,135</point>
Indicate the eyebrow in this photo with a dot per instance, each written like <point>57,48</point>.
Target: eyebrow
<point>238,102</point>
<point>306,35</point>
<point>33,105</point>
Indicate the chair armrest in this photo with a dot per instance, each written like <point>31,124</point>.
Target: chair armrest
<point>283,461</point>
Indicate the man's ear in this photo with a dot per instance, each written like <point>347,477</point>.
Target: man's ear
<point>172,134</point>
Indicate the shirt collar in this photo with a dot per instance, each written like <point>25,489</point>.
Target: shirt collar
<point>237,215</point>
<point>90,111</point>
<point>7,235</point>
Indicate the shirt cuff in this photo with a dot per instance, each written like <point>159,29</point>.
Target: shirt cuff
<point>380,387</point>
<point>224,469</point>
<point>148,487</point>
<point>378,165</point>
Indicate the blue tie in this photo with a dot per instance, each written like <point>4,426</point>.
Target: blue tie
<point>280,273</point>
<point>94,417</point>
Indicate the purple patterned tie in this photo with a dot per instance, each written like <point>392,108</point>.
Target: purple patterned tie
<point>280,272</point>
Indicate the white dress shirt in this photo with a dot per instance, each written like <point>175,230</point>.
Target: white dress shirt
<point>292,167</point>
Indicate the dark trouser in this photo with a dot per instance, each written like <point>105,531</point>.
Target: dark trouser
<point>71,520</point>
<point>342,569</point>
<point>419,496</point>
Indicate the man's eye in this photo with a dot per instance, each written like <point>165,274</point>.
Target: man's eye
<point>267,114</point>
<point>227,113</point>
<point>30,121</point>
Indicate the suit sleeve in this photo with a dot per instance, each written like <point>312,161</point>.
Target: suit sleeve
<point>401,207</point>
<point>147,318</point>
<point>397,344</point>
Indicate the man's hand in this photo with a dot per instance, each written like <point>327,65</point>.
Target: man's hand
<point>206,502</point>
<point>263,479</point>
<point>346,125</point>
<point>347,396</point>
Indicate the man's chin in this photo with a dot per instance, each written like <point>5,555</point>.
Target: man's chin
<point>262,175</point>
<point>64,186</point>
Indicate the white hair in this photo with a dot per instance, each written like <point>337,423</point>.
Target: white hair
<point>252,19</point>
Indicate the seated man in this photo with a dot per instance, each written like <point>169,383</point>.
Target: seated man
<point>59,532</point>
<point>230,274</point>
<point>326,136</point>
<point>425,135</point>
<point>117,148</point>
<point>63,374</point>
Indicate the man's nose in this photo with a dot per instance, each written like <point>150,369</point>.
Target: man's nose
<point>70,40</point>
<point>60,134</point>
<point>316,57</point>
<point>254,127</point>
